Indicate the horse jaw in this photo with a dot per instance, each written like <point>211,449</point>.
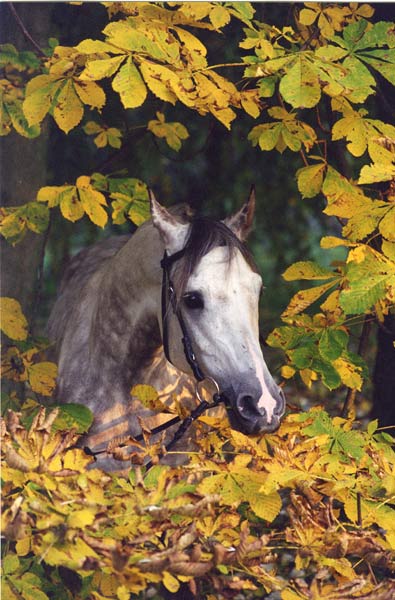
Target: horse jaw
<point>173,233</point>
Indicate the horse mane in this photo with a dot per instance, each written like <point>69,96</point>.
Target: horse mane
<point>206,234</point>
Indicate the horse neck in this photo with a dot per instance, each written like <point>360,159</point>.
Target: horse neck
<point>125,323</point>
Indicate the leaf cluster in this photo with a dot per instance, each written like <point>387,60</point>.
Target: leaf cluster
<point>217,521</point>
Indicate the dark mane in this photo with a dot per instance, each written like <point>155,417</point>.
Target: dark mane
<point>206,234</point>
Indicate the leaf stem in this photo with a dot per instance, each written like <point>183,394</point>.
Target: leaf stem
<point>221,65</point>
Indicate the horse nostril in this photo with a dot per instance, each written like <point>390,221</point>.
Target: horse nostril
<point>247,407</point>
<point>280,408</point>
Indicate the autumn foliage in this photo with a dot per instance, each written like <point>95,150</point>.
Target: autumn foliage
<point>308,511</point>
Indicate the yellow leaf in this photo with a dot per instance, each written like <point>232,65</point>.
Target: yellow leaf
<point>331,241</point>
<point>287,372</point>
<point>90,93</point>
<point>38,96</point>
<point>76,460</point>
<point>123,593</point>
<point>12,320</point>
<point>98,69</point>
<point>70,205</point>
<point>387,225</point>
<point>250,102</point>
<point>310,180</point>
<point>52,194</point>
<point>358,254</point>
<point>92,201</point>
<point>69,109</point>
<point>307,270</point>
<point>81,518</point>
<point>266,506</point>
<point>170,582</point>
<point>307,16</point>
<point>89,46</point>
<point>376,172</point>
<point>302,299</point>
<point>42,377</point>
<point>331,304</point>
<point>92,128</point>
<point>130,86</point>
<point>388,249</point>
<point>350,374</point>
<point>159,80</point>
<point>224,115</point>
<point>149,397</point>
<point>8,592</point>
<point>23,546</point>
<point>308,376</point>
<point>219,16</point>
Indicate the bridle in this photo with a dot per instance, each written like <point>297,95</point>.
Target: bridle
<point>169,297</point>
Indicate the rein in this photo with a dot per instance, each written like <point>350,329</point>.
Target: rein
<point>169,296</point>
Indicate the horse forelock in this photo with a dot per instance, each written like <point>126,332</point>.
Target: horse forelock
<point>206,234</point>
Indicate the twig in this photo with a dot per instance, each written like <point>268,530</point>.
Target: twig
<point>24,30</point>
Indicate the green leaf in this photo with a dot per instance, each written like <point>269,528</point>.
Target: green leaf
<point>358,80</point>
<point>322,424</point>
<point>332,343</point>
<point>20,122</point>
<point>369,275</point>
<point>300,86</point>
<point>37,216</point>
<point>330,377</point>
<point>73,416</point>
<point>267,86</point>
<point>10,564</point>
<point>302,357</point>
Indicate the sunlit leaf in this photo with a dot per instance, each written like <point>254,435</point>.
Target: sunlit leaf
<point>12,320</point>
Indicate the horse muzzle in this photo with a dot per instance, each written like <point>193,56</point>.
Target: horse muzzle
<point>247,416</point>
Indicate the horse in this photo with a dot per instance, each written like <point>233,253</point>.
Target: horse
<point>109,329</point>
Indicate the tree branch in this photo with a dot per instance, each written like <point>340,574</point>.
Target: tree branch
<point>25,31</point>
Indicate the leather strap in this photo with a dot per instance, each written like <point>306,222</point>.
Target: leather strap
<point>169,296</point>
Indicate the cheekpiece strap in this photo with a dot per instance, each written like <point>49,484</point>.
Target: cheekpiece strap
<point>168,293</point>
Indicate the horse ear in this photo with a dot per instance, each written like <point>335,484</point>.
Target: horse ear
<point>241,222</point>
<point>172,232</point>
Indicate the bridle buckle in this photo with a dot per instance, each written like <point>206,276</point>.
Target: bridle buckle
<point>198,385</point>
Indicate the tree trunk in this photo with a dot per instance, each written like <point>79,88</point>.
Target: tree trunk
<point>384,375</point>
<point>24,168</point>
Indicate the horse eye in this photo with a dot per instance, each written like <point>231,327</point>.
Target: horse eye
<point>193,300</point>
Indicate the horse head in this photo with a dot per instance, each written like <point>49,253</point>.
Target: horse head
<point>217,287</point>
